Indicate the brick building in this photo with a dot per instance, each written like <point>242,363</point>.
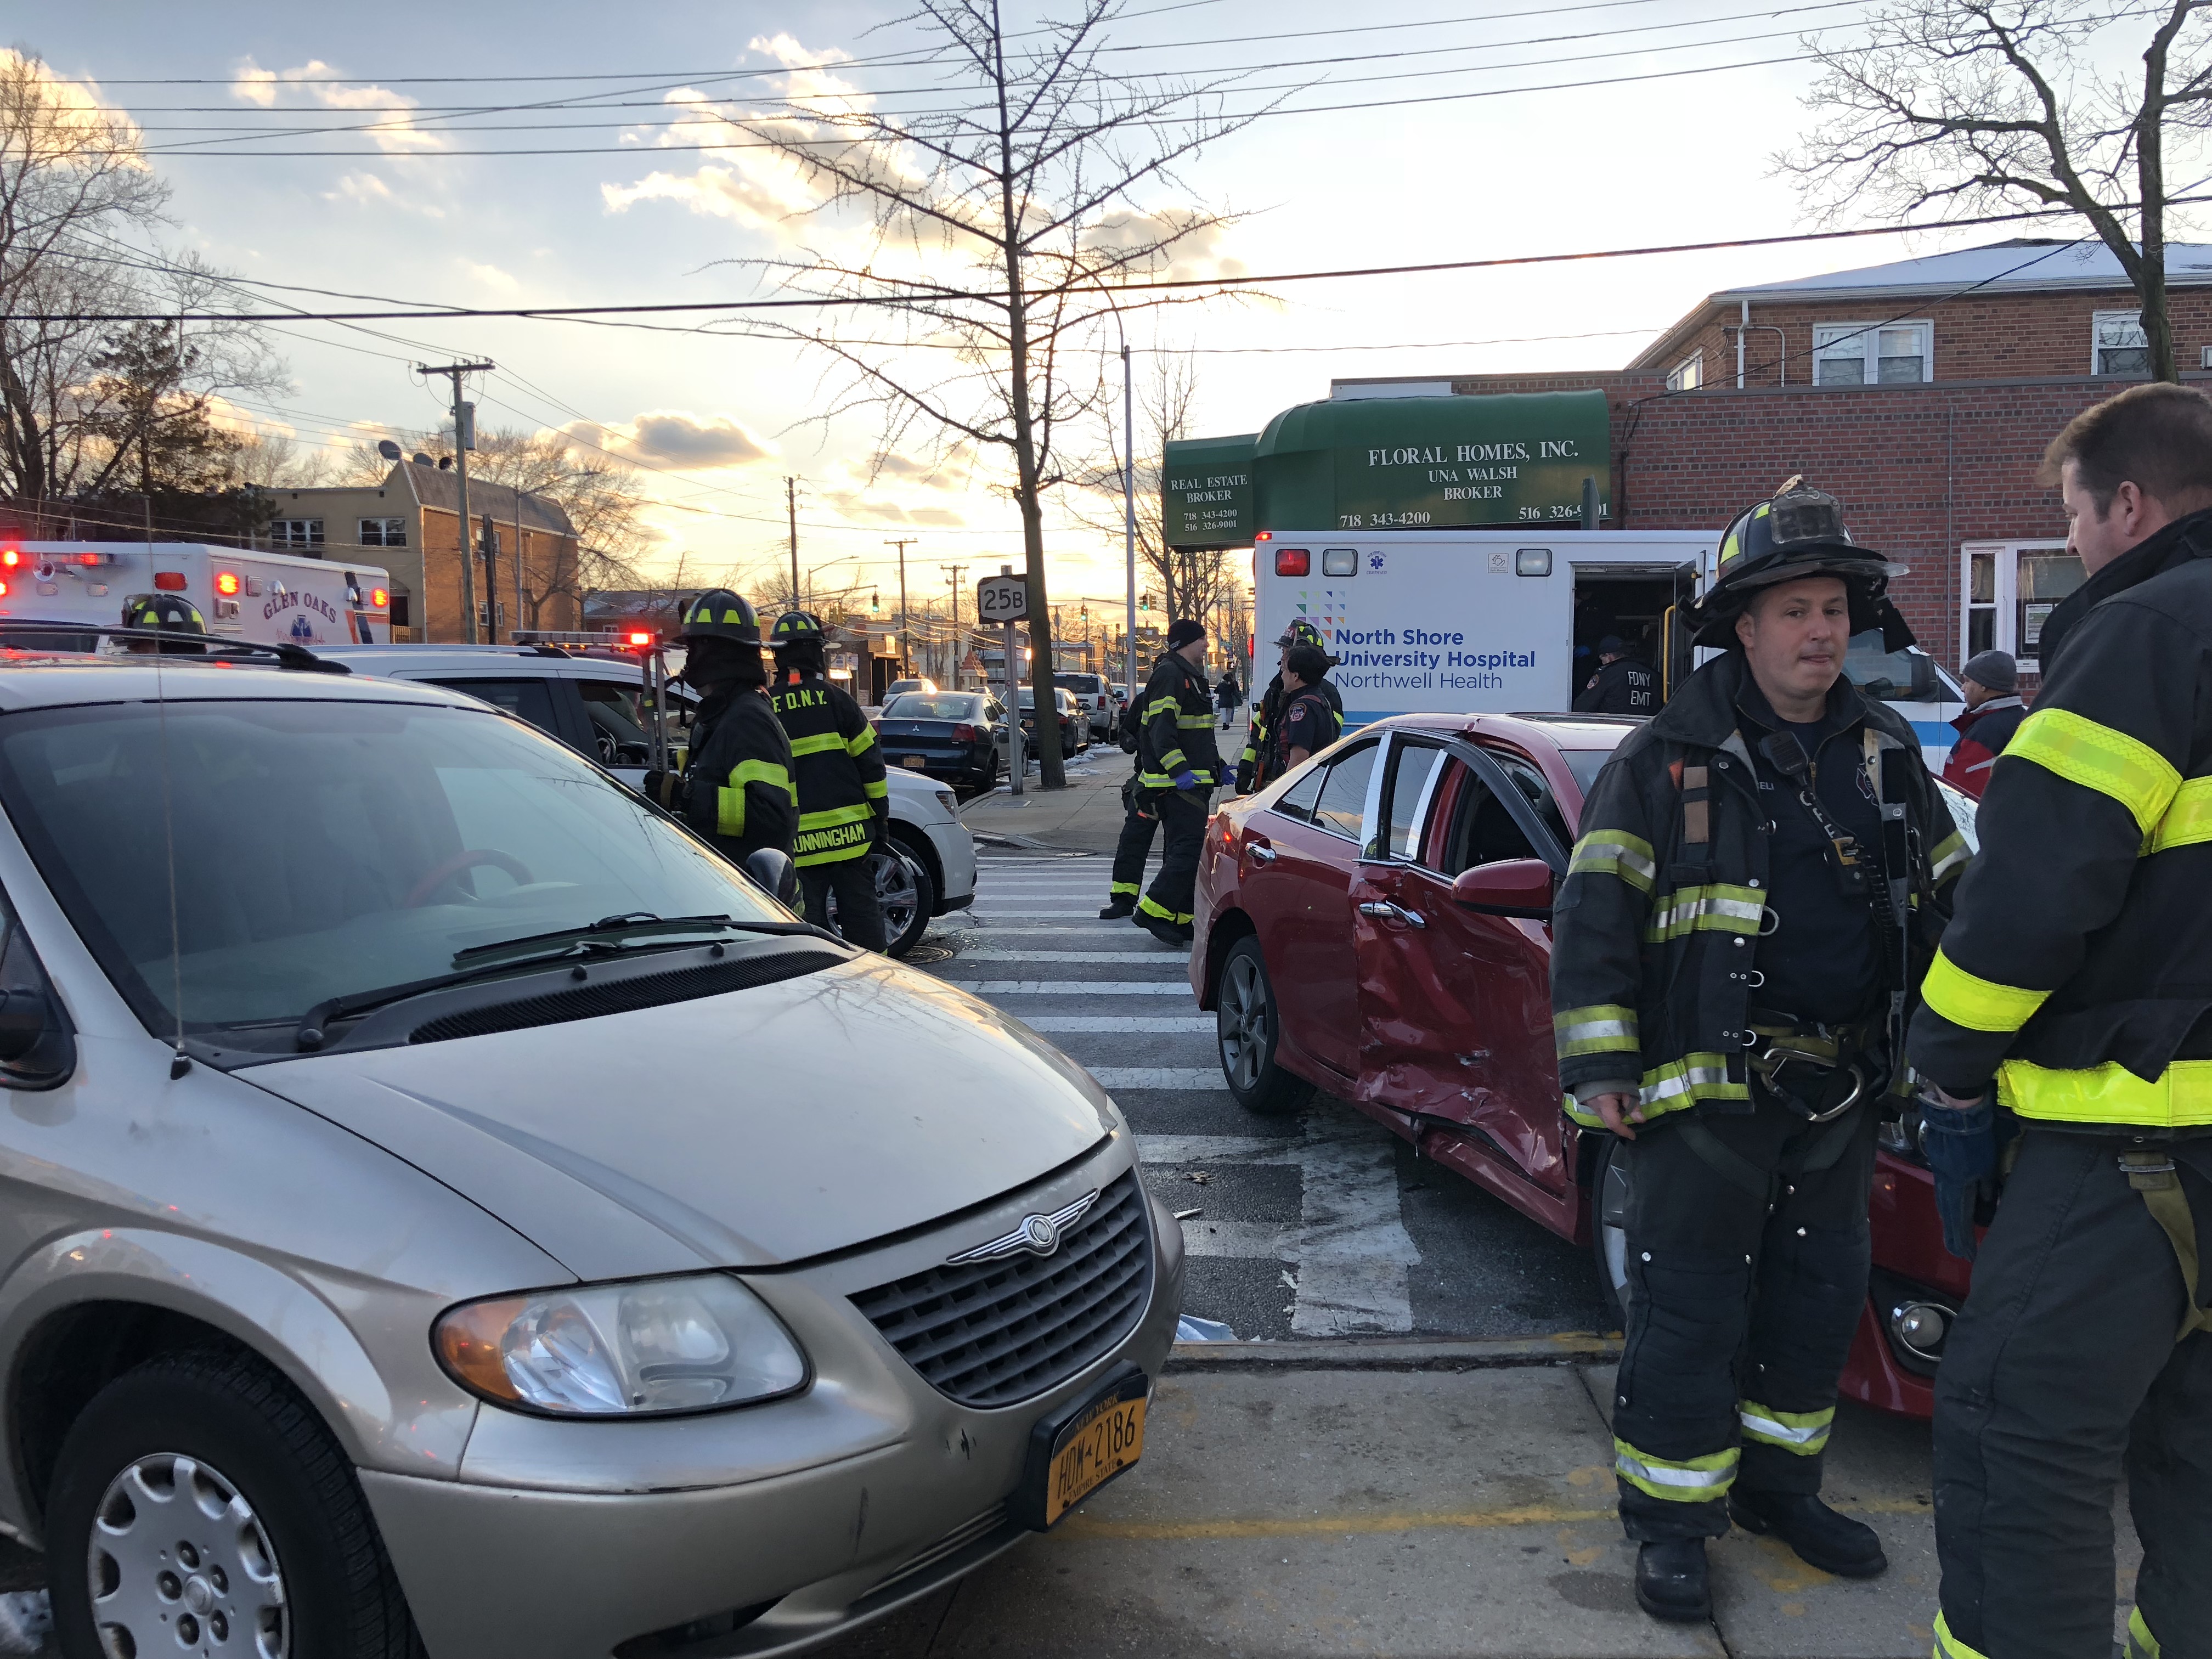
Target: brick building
<point>1922,393</point>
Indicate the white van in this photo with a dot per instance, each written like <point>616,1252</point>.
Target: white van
<point>267,599</point>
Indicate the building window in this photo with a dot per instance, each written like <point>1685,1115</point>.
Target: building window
<point>2117,345</point>
<point>1689,374</point>
<point>383,532</point>
<point>1870,354</point>
<point>296,532</point>
<point>2010,589</point>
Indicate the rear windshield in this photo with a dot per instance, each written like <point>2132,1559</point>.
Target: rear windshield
<point>942,706</point>
<point>326,848</point>
<point>1586,764</point>
<point>1087,683</point>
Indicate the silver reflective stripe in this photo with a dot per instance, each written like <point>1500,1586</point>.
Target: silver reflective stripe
<point>1689,1479</point>
<point>1683,1081</point>
<point>1598,1028</point>
<point>1684,911</point>
<point>1767,1429</point>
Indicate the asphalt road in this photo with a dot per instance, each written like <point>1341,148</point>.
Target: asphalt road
<point>1320,1225</point>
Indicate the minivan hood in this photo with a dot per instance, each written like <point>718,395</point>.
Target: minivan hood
<point>757,1128</point>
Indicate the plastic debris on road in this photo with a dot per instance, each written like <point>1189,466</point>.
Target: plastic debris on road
<point>1191,1329</point>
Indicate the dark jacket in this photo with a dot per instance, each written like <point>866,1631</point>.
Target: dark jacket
<point>1262,759</point>
<point>1623,686</point>
<point>1983,734</point>
<point>844,802</point>
<point>1226,693</point>
<point>1656,928</point>
<point>737,789</point>
<point>2079,971</point>
<point>1177,734</point>
<point>1307,722</point>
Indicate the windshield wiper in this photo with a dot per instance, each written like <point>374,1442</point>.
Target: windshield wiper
<point>631,925</point>
<point>316,1021</point>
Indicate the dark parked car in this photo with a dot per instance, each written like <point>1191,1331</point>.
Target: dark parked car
<point>1074,724</point>
<point>1376,923</point>
<point>958,736</point>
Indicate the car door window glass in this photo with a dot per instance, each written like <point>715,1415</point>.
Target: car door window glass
<point>1414,771</point>
<point>1481,830</point>
<point>617,721</point>
<point>1343,802</point>
<point>1530,781</point>
<point>1298,801</point>
<point>529,700</point>
<point>26,995</point>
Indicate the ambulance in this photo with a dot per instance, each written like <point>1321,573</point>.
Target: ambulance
<point>268,598</point>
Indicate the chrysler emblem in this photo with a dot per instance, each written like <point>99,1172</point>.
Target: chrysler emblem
<point>1040,1234</point>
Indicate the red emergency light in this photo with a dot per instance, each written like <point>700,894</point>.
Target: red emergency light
<point>639,638</point>
<point>1293,561</point>
<point>3,590</point>
<point>10,557</point>
<point>226,583</point>
<point>172,581</point>
<point>378,598</point>
<point>79,558</point>
<point>1265,536</point>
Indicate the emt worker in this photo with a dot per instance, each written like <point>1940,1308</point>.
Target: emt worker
<point>1991,680</point>
<point>1624,684</point>
<point>1760,870</point>
<point>1177,767</point>
<point>1261,760</point>
<point>2075,975</point>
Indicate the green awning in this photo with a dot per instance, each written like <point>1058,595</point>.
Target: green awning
<point>1205,492</point>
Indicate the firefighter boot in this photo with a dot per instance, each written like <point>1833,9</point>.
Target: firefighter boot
<point>1822,1539</point>
<point>1671,1582</point>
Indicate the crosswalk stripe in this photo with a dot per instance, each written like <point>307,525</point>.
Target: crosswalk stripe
<point>1070,987</point>
<point>1158,1077</point>
<point>1119,1024</point>
<point>1140,957</point>
<point>992,913</point>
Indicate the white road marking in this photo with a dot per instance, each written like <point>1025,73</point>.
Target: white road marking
<point>1158,1077</point>
<point>988,913</point>
<point>1100,1025</point>
<point>1139,957</point>
<point>1070,987</point>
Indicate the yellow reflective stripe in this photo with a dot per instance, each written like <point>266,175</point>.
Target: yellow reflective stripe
<point>1719,907</point>
<point>1586,1115</point>
<point>2180,1097</point>
<point>1686,1081</point>
<point>1173,762</point>
<point>2141,1644</point>
<point>1146,906</point>
<point>1948,1646</point>
<point>1616,853</point>
<point>1698,1481</point>
<point>1978,1004</point>
<point>1121,887</point>
<point>1602,1028</point>
<point>1195,722</point>
<point>2079,750</point>
<point>2188,820</point>
<point>878,790</point>
<point>1950,855</point>
<point>822,743</point>
<point>1162,706</point>
<point>1802,1432</point>
<point>862,741</point>
<point>829,815</point>
<point>730,811</point>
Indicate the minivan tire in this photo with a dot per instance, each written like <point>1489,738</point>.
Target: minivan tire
<point>1248,1024</point>
<point>251,1439</point>
<point>913,868</point>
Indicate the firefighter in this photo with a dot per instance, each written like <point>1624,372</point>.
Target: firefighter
<point>1260,760</point>
<point>1624,684</point>
<point>844,803</point>
<point>1991,682</point>
<point>2068,1006</point>
<point>1177,767</point>
<point>737,790</point>
<point>1737,935</point>
<point>166,613</point>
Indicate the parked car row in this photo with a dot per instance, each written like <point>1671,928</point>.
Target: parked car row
<point>1376,923</point>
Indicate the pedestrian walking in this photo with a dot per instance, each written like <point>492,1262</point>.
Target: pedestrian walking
<point>1261,760</point>
<point>2067,1016</point>
<point>844,801</point>
<point>1760,873</point>
<point>1228,697</point>
<point>1991,684</point>
<point>1624,684</point>
<point>1178,768</point>
<point>736,789</point>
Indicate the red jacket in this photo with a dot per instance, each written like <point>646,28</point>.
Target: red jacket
<point>1983,734</point>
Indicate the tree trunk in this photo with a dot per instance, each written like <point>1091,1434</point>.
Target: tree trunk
<point>2150,172</point>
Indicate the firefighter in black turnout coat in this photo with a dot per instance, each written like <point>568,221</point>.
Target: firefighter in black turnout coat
<point>844,801</point>
<point>736,789</point>
<point>1178,764</point>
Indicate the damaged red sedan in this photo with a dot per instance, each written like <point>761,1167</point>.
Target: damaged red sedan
<point>1376,924</point>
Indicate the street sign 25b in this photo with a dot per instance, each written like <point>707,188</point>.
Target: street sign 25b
<point>1002,600</point>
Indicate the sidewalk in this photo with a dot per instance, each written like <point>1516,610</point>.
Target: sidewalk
<point>1313,1502</point>
<point>1084,818</point>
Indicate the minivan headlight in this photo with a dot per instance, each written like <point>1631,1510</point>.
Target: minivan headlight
<point>652,1345</point>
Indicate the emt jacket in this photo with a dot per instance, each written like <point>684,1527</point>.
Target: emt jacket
<point>738,788</point>
<point>1261,760</point>
<point>844,803</point>
<point>1657,926</point>
<point>2079,971</point>
<point>1177,735</point>
<point>1983,734</point>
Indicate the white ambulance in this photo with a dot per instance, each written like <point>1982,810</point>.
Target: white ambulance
<point>267,597</point>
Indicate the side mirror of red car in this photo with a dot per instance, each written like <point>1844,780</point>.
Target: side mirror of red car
<point>1510,887</point>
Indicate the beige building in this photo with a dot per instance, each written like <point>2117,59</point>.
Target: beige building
<point>410,526</point>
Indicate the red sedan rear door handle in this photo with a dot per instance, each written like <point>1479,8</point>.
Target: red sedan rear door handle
<point>1383,910</point>
<point>1262,855</point>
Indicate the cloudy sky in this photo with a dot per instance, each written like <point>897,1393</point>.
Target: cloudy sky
<point>345,151</point>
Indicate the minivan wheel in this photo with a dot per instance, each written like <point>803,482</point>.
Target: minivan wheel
<point>1246,1026</point>
<point>200,1502</point>
<point>907,896</point>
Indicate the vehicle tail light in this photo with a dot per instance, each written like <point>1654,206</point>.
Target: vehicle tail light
<point>169,581</point>
<point>1265,536</point>
<point>3,590</point>
<point>226,582</point>
<point>1293,561</point>
<point>378,598</point>
<point>964,733</point>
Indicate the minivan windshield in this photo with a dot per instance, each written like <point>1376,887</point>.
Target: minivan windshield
<point>323,849</point>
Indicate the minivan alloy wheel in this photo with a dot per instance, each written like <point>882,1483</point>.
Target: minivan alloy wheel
<point>178,1558</point>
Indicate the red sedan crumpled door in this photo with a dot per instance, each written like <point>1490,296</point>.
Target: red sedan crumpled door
<point>1455,1018</point>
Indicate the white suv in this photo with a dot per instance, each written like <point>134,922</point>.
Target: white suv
<point>1095,697</point>
<point>590,703</point>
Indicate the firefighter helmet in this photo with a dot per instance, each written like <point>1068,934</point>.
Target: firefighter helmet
<point>1798,531</point>
<point>795,628</point>
<point>719,614</point>
<point>168,613</point>
<point>1302,632</point>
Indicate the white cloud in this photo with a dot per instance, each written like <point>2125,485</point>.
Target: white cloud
<point>677,439</point>
<point>760,194</point>
<point>392,128</point>
<point>1173,245</point>
<point>492,277</point>
<point>873,510</point>
<point>362,187</point>
<point>255,85</point>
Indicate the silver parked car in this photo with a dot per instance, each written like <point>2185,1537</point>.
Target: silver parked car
<point>444,1197</point>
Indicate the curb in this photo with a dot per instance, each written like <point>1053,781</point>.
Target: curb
<point>1397,1353</point>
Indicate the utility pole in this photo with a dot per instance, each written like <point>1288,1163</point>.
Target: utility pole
<point>491,580</point>
<point>791,511</point>
<point>902,542</point>
<point>959,640</point>
<point>464,440</point>
<point>1129,506</point>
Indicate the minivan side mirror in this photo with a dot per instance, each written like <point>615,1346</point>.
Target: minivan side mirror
<point>771,867</point>
<point>25,1018</point>
<point>1509,887</point>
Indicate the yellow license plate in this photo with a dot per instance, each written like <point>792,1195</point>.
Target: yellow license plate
<point>915,761</point>
<point>1094,1448</point>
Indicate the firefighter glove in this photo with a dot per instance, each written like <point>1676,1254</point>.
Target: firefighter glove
<point>1186,780</point>
<point>662,789</point>
<point>1961,1148</point>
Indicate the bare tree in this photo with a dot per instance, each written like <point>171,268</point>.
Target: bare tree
<point>1000,219</point>
<point>1974,107</point>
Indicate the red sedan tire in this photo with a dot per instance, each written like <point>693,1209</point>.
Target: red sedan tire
<point>1608,1213</point>
<point>1247,1022</point>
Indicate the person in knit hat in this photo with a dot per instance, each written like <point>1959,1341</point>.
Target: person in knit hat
<point>1991,680</point>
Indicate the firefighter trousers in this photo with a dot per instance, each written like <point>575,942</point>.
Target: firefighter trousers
<point>860,913</point>
<point>1137,826</point>
<point>2062,1372</point>
<point>1182,814</point>
<point>1748,1254</point>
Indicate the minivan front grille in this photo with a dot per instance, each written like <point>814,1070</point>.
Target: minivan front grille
<point>621,996</point>
<point>993,1332</point>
